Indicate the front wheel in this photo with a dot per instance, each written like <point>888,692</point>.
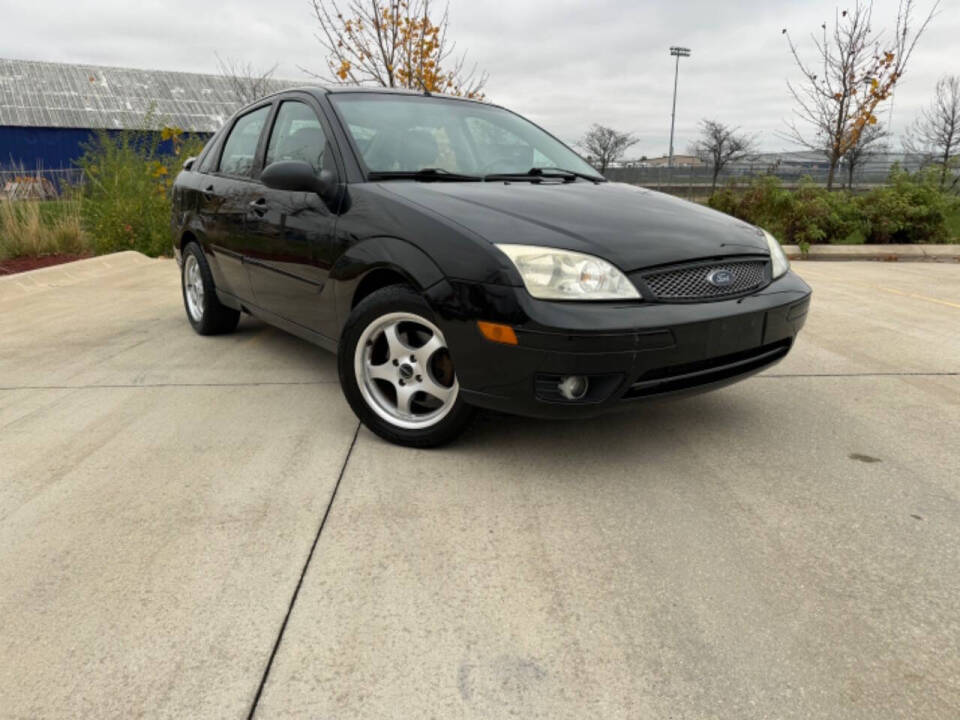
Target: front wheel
<point>397,372</point>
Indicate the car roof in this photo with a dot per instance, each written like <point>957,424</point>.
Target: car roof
<point>374,90</point>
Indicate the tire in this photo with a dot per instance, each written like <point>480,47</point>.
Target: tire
<point>204,311</point>
<point>396,371</point>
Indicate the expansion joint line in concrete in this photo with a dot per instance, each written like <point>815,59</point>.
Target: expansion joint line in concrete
<point>303,573</point>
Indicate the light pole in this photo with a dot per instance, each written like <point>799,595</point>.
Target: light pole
<point>679,52</point>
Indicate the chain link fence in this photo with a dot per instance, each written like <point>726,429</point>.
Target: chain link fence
<point>697,182</point>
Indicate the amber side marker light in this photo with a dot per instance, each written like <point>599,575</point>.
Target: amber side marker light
<point>495,332</point>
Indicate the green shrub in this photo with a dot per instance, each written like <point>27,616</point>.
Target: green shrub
<point>912,208</point>
<point>765,203</point>
<point>953,224</point>
<point>817,215</point>
<point>125,203</point>
<point>803,216</point>
<point>726,200</point>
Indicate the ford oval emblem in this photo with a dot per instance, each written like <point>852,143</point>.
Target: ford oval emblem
<point>720,278</point>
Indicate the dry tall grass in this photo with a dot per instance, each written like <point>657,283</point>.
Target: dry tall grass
<point>33,228</point>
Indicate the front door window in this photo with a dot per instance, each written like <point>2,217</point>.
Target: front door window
<point>297,135</point>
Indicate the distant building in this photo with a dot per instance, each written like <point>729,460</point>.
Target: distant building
<point>678,161</point>
<point>49,110</point>
<point>789,160</point>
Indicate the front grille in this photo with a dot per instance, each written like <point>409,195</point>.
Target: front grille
<point>690,283</point>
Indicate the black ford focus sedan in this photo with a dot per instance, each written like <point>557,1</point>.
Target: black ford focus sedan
<point>455,255</point>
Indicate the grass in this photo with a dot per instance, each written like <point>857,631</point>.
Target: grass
<point>38,228</point>
<point>52,210</point>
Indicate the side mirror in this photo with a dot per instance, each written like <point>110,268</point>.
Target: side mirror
<point>188,163</point>
<point>298,176</point>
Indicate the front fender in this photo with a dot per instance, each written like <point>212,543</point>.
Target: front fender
<point>382,252</point>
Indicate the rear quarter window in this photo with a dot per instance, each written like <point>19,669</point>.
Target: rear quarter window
<point>208,158</point>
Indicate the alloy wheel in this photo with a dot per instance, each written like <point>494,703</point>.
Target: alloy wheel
<point>193,287</point>
<point>404,371</point>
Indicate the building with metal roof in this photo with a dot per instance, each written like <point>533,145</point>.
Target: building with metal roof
<point>49,110</point>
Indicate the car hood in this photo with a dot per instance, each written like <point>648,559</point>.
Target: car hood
<point>631,227</point>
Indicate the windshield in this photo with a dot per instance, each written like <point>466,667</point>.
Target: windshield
<point>408,133</point>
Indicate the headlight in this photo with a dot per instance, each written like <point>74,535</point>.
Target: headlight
<point>777,258</point>
<point>551,274</point>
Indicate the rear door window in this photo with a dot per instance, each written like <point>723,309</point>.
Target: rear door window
<point>240,149</point>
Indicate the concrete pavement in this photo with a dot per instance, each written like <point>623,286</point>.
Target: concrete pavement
<point>193,527</point>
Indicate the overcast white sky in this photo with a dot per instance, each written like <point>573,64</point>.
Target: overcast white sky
<point>563,63</point>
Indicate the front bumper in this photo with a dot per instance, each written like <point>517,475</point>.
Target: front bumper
<point>629,351</point>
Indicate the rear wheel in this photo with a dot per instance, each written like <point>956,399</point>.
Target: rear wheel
<point>206,313</point>
<point>397,372</point>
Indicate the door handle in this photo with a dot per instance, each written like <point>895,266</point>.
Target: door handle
<point>208,192</point>
<point>259,206</point>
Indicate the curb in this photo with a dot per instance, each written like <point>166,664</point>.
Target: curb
<point>877,253</point>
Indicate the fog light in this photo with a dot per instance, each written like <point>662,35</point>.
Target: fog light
<point>573,387</point>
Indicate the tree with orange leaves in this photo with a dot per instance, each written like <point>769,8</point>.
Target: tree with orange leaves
<point>854,71</point>
<point>392,43</point>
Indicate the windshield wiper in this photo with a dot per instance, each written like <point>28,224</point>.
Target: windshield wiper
<point>536,174</point>
<point>423,174</point>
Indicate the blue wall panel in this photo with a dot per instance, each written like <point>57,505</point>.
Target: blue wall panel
<point>47,148</point>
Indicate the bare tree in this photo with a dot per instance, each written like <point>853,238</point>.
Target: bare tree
<point>853,71</point>
<point>392,43</point>
<point>935,135</point>
<point>720,144</point>
<point>872,142</point>
<point>606,145</point>
<point>246,83</point>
